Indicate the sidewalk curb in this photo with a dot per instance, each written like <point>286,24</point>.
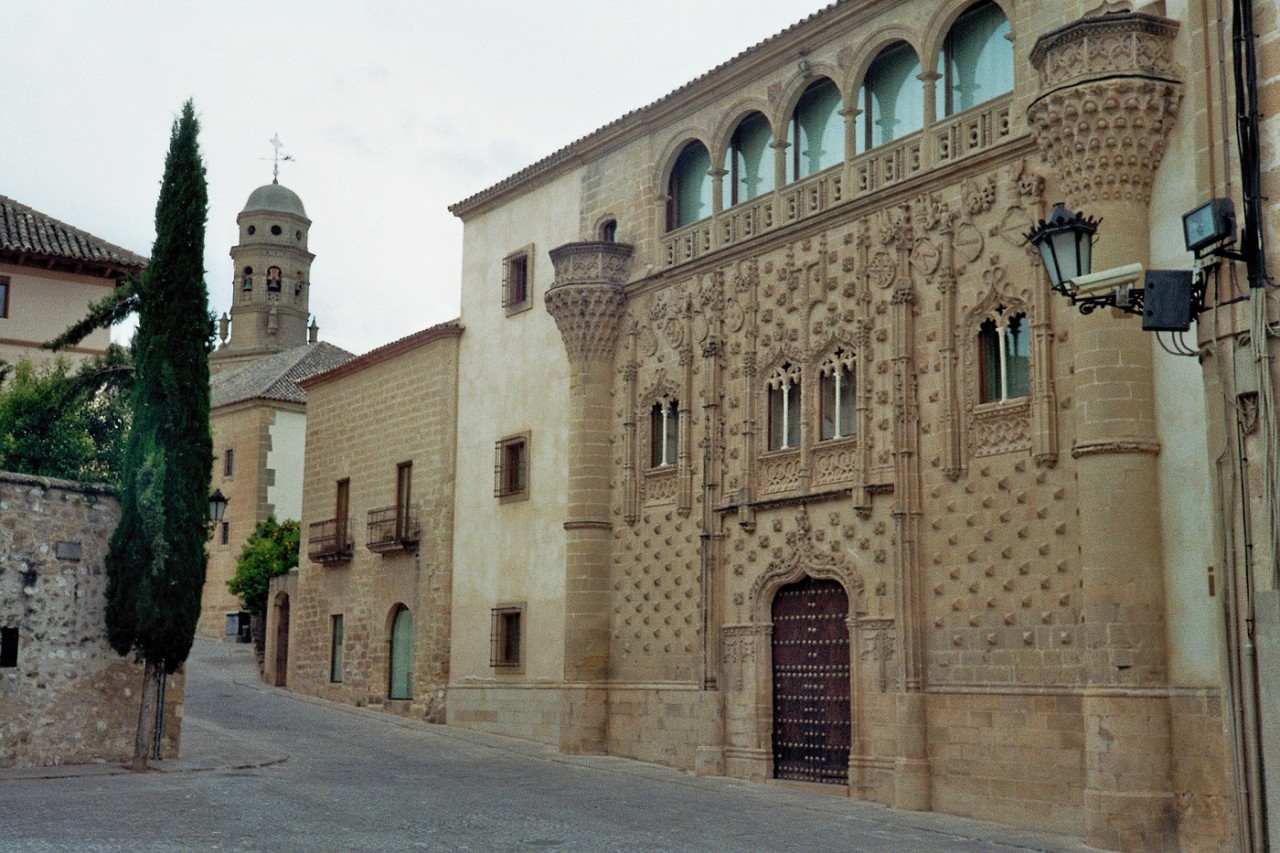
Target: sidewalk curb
<point>170,765</point>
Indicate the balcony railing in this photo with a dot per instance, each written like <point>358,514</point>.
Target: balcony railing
<point>330,541</point>
<point>392,528</point>
<point>945,142</point>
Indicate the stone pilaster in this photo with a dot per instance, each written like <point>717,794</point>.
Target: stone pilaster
<point>587,302</point>
<point>1109,95</point>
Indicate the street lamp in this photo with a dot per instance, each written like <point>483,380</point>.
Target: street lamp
<point>1166,300</point>
<point>1065,244</point>
<point>217,508</point>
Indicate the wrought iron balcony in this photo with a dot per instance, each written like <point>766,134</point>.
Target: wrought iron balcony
<point>392,528</point>
<point>330,541</point>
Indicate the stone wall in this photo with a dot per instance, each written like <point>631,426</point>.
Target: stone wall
<point>392,406</point>
<point>70,699</point>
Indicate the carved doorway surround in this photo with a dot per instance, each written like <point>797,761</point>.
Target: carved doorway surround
<point>754,660</point>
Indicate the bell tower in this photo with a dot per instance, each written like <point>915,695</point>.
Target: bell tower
<point>271,282</point>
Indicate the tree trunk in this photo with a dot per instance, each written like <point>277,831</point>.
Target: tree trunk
<point>146,718</point>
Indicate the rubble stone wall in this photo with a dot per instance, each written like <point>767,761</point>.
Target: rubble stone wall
<point>70,699</point>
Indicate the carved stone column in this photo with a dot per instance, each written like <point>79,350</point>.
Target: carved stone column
<point>1109,94</point>
<point>587,301</point>
<point>912,775</point>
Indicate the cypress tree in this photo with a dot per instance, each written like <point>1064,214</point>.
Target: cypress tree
<point>156,559</point>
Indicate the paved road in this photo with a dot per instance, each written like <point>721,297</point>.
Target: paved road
<point>266,770</point>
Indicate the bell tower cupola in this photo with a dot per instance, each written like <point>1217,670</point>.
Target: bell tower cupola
<point>271,284</point>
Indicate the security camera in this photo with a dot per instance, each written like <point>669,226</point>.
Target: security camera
<point>1102,283</point>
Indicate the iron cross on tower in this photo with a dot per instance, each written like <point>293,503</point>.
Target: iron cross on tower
<point>276,160</point>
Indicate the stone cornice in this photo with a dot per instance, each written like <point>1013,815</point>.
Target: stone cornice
<point>1112,446</point>
<point>592,263</point>
<point>753,65</point>
<point>1117,43</point>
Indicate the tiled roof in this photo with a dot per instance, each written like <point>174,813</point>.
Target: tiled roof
<point>276,377</point>
<point>30,236</point>
<point>448,329</point>
<point>568,151</point>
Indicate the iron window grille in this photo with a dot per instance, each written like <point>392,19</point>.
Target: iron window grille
<point>505,637</point>
<point>511,468</point>
<point>517,280</point>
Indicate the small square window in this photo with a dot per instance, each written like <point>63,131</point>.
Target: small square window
<point>506,637</point>
<point>335,649</point>
<point>517,280</point>
<point>8,647</point>
<point>511,468</point>
<point>4,296</point>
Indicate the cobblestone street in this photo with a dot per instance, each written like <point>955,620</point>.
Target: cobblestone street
<point>264,769</point>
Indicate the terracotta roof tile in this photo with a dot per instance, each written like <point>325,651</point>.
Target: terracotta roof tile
<point>31,235</point>
<point>276,377</point>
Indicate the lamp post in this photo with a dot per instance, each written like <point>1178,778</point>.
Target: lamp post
<point>1065,244</point>
<point>217,508</point>
<point>1166,300</point>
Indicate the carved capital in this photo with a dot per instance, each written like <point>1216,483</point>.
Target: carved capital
<point>587,316</point>
<point>586,298</point>
<point>1110,92</point>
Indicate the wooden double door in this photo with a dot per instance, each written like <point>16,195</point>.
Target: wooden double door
<point>812,728</point>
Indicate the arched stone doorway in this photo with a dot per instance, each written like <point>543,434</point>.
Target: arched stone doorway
<point>400,682</point>
<point>812,721</point>
<point>282,638</point>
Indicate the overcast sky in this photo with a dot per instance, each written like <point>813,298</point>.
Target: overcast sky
<point>393,111</point>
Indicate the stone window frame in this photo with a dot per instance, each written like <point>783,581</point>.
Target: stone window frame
<point>840,355</point>
<point>507,632</point>
<point>791,372</point>
<point>998,426</point>
<point>683,179</point>
<point>517,280</point>
<point>944,107</point>
<point>746,132</point>
<point>511,464</point>
<point>657,444</point>
<point>1001,318</point>
<point>802,109</point>
<point>228,464</point>
<point>881,64</point>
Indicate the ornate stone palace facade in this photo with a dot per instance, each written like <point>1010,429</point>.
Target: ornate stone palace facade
<point>777,457</point>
